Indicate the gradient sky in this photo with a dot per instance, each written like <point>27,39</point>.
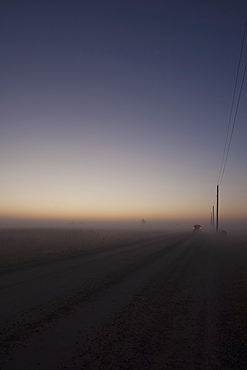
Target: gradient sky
<point>118,110</point>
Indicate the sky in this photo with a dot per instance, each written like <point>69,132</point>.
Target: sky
<point>115,111</point>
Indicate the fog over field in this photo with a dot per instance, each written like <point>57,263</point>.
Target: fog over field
<point>38,240</point>
<point>136,224</point>
<point>233,227</point>
<point>19,245</point>
<point>33,244</point>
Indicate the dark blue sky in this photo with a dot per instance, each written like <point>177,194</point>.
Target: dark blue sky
<point>119,109</point>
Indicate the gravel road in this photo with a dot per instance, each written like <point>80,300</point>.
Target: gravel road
<point>173,303</point>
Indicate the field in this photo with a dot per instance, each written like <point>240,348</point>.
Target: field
<point>142,300</point>
<point>26,245</point>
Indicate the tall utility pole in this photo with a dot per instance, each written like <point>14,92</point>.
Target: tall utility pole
<point>213,217</point>
<point>217,209</point>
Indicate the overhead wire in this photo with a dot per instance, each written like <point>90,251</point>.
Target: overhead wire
<point>227,139</point>
<point>234,123</point>
<point>225,153</point>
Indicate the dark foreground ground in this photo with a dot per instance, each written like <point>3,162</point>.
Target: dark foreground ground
<point>173,303</point>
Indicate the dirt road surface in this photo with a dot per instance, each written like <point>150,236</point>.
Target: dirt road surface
<point>174,303</point>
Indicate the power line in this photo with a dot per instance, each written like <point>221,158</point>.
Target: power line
<point>234,122</point>
<point>226,152</point>
<point>228,149</point>
<point>224,158</point>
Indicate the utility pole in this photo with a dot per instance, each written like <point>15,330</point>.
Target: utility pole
<point>217,209</point>
<point>213,217</point>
